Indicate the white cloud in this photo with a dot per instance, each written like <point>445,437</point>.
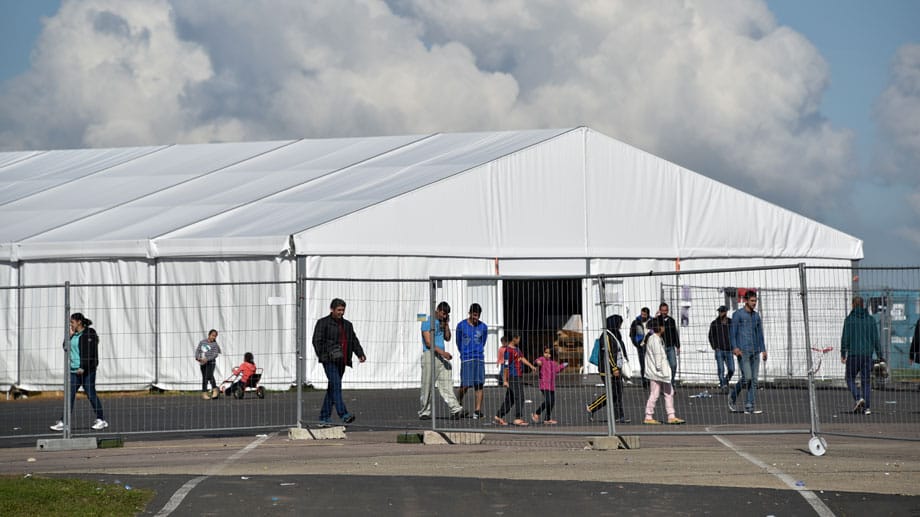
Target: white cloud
<point>897,158</point>
<point>104,73</point>
<point>716,86</point>
<point>897,114</point>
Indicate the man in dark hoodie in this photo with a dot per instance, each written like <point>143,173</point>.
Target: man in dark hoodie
<point>637,331</point>
<point>857,343</point>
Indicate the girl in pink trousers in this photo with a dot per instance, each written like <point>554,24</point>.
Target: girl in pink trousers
<point>658,372</point>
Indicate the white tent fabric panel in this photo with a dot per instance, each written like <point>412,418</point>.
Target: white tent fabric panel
<point>630,193</point>
<point>257,318</point>
<point>756,229</point>
<point>368,183</point>
<point>56,168</point>
<point>228,188</point>
<point>123,318</point>
<point>463,215</point>
<point>396,267</point>
<point>9,326</point>
<point>539,198</point>
<point>10,157</point>
<point>68,202</point>
<point>543,267</point>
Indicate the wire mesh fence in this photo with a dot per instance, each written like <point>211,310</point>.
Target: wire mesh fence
<point>149,381</point>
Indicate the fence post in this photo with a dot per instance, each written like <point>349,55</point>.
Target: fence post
<point>300,329</point>
<point>156,323</point>
<point>812,399</point>
<point>67,408</point>
<point>789,333</point>
<point>432,379</point>
<point>608,378</point>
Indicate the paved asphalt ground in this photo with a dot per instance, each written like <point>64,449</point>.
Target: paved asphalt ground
<point>369,472</point>
<point>242,473</point>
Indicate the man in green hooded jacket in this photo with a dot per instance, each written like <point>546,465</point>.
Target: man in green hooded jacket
<point>857,344</point>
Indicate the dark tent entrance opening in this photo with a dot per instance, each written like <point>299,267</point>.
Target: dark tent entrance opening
<point>538,310</point>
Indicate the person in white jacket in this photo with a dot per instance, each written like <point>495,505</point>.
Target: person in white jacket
<point>658,372</point>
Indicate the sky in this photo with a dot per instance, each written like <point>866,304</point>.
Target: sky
<point>813,106</point>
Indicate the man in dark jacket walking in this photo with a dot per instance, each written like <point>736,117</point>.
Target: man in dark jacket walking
<point>671,338</point>
<point>335,342</point>
<point>720,341</point>
<point>857,343</point>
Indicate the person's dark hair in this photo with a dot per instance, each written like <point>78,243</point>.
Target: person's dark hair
<point>212,331</point>
<point>508,337</point>
<point>476,308</point>
<point>552,351</point>
<point>654,324</point>
<point>337,302</point>
<point>663,304</point>
<point>645,310</point>
<point>613,325</point>
<point>78,316</point>
<point>750,294</point>
<point>444,306</point>
<point>248,358</point>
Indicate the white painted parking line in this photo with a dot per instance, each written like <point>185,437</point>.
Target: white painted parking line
<point>184,490</point>
<point>810,497</point>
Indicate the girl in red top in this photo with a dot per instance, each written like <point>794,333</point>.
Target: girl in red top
<point>513,373</point>
<point>245,371</point>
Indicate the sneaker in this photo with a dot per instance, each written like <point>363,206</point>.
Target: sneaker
<point>860,405</point>
<point>100,424</point>
<point>651,421</point>
<point>58,426</point>
<point>477,415</point>
<point>623,420</point>
<point>348,418</point>
<point>867,411</point>
<point>424,417</point>
<point>325,422</point>
<point>457,416</point>
<point>676,421</point>
<point>731,403</point>
<point>753,411</point>
<point>206,395</point>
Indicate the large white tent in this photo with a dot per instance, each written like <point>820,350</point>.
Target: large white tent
<point>540,202</point>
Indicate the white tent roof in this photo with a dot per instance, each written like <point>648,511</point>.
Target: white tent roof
<point>540,193</point>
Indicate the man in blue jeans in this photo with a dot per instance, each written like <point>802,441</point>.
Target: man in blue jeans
<point>720,341</point>
<point>858,342</point>
<point>748,346</point>
<point>670,338</point>
<point>335,342</point>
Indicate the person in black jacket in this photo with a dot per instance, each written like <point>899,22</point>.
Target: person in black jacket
<point>84,359</point>
<point>914,355</point>
<point>637,331</point>
<point>671,338</point>
<point>335,342</point>
<point>615,354</point>
<point>720,341</point>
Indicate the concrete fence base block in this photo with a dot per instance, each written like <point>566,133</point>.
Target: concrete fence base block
<point>329,433</point>
<point>465,438</point>
<point>434,438</point>
<point>299,433</point>
<point>611,443</point>
<point>66,444</point>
